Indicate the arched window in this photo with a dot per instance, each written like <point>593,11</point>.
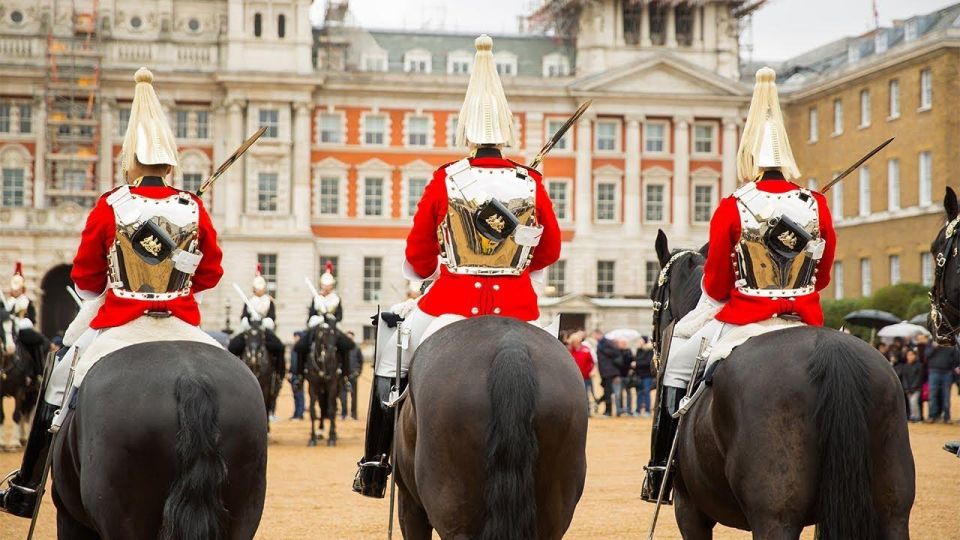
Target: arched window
<point>282,26</point>
<point>257,24</point>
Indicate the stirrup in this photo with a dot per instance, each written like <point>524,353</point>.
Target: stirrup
<point>687,401</point>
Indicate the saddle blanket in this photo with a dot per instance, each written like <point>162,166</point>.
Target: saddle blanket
<point>733,336</point>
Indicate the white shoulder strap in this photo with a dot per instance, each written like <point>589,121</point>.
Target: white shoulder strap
<point>125,208</point>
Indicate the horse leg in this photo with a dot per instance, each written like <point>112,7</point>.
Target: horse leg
<point>693,524</point>
<point>313,417</point>
<point>24,425</point>
<point>332,405</point>
<point>414,523</point>
<point>69,528</point>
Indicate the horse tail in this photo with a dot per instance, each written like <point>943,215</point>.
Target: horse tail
<point>845,506</point>
<point>194,508</point>
<point>509,494</point>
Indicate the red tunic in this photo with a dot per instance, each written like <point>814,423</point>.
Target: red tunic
<point>90,265</point>
<point>510,296</point>
<point>718,273</point>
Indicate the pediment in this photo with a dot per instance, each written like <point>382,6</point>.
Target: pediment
<point>656,172</point>
<point>330,163</point>
<point>417,165</point>
<point>375,164</point>
<point>660,75</point>
<point>608,170</point>
<point>705,173</point>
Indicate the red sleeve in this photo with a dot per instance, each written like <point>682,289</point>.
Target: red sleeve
<point>718,277</point>
<point>210,270</point>
<point>830,237</point>
<point>422,245</point>
<point>90,264</point>
<point>548,250</point>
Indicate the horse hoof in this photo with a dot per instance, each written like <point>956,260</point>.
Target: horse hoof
<point>311,443</point>
<point>331,442</point>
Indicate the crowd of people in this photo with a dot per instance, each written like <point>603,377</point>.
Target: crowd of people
<point>623,368</point>
<point>927,371</point>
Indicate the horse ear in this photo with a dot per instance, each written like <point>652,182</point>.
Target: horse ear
<point>950,204</point>
<point>663,250</point>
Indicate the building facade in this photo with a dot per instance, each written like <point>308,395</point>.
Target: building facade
<point>357,122</point>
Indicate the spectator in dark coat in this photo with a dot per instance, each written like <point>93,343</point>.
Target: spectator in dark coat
<point>355,363</point>
<point>628,383</point>
<point>609,360</point>
<point>296,378</point>
<point>911,377</point>
<point>942,363</point>
<point>642,370</point>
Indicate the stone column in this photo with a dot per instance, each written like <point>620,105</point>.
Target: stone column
<point>729,180</point>
<point>105,167</point>
<point>301,165</point>
<point>39,161</point>
<point>219,129</point>
<point>631,177</point>
<point>645,25</point>
<point>671,40</point>
<point>583,214</point>
<point>698,12</point>
<point>681,174</point>
<point>236,175</point>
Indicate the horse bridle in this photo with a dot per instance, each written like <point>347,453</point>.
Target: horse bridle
<point>942,310</point>
<point>661,300</point>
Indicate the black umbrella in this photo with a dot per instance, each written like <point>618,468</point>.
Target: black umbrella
<point>871,318</point>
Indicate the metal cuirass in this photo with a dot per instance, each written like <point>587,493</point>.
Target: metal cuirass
<point>154,253</point>
<point>491,223</point>
<point>780,243</point>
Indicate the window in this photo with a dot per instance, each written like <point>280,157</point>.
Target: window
<point>703,138</point>
<point>926,89</point>
<point>14,188</point>
<point>369,333</point>
<point>836,205</point>
<point>374,62</point>
<point>26,119</point>
<point>203,124</point>
<point>655,136</point>
<point>683,24</point>
<point>837,117</point>
<point>864,191</point>
<point>866,280</point>
<point>257,24</point>
<point>650,275</point>
<point>329,196</point>
<point>418,128</point>
<point>895,98</point>
<point>894,269</point>
<point>267,187</point>
<point>123,118</point>
<point>415,188</point>
<point>334,261</point>
<point>506,66</point>
<point>75,180</point>
<point>607,135</point>
<point>606,201</point>
<point>192,181</point>
<point>864,108</point>
<point>653,209</point>
<point>926,178</point>
<point>557,277</point>
<point>268,269</point>
<point>451,130</point>
<point>374,129</point>
<point>182,124</point>
<point>331,128</point>
<point>282,26</point>
<point>926,269</point>
<point>564,143</point>
<point>557,190</point>
<point>4,118</point>
<point>556,65</point>
<point>880,42</point>
<point>271,119</point>
<point>658,22</point>
<point>459,67</point>
<point>372,274</point>
<point>814,124</point>
<point>373,196</point>
<point>837,280</point>
<point>702,203</point>
<point>893,184</point>
<point>910,31</point>
<point>605,280</point>
<point>632,22</point>
<point>418,61</point>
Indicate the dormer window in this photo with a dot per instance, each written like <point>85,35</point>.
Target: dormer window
<point>910,31</point>
<point>417,61</point>
<point>880,42</point>
<point>374,61</point>
<point>853,52</point>
<point>459,62</point>
<point>556,65</point>
<point>506,63</point>
<point>257,24</point>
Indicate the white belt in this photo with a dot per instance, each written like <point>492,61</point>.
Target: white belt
<point>776,293</point>
<point>151,297</point>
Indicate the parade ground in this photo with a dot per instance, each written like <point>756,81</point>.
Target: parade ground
<point>308,489</point>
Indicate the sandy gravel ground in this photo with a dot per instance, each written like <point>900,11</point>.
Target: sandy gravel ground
<point>308,493</point>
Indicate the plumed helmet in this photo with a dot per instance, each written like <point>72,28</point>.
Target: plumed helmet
<point>327,279</point>
<point>149,139</point>
<point>259,283</point>
<point>485,117</point>
<point>764,144</point>
<point>17,282</point>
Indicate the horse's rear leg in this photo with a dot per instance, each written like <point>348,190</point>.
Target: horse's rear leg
<point>414,523</point>
<point>693,524</point>
<point>69,528</point>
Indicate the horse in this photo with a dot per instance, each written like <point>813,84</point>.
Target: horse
<point>19,377</point>
<point>324,375</point>
<point>491,438</point>
<point>163,440</point>
<point>257,358</point>
<point>802,426</point>
<point>944,318</point>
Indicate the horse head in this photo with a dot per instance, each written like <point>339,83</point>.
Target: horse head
<point>8,331</point>
<point>677,289</point>
<point>255,352</point>
<point>323,352</point>
<point>945,293</point>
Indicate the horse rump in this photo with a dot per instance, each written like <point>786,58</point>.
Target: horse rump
<point>509,495</point>
<point>194,508</point>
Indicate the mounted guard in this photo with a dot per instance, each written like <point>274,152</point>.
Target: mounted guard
<point>483,225</point>
<point>21,307</point>
<point>146,252</point>
<point>770,253</point>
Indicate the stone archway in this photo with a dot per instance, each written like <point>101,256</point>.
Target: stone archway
<point>58,308</point>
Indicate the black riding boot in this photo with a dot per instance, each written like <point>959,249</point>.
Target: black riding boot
<point>664,430</point>
<point>375,467</point>
<point>953,447</point>
<point>20,497</point>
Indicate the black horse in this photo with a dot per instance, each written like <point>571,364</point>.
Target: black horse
<point>167,440</point>
<point>324,375</point>
<point>251,347</point>
<point>801,426</point>
<point>20,373</point>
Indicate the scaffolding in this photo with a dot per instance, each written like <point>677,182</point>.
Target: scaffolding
<point>74,58</point>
